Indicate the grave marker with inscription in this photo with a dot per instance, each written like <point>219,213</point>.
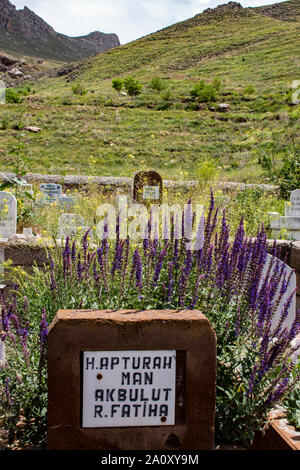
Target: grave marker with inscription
<point>8,215</point>
<point>147,187</point>
<point>51,192</point>
<point>131,380</point>
<point>290,222</point>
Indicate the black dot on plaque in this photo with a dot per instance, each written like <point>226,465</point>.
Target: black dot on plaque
<point>172,441</point>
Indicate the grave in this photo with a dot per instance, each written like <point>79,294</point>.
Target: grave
<point>51,192</point>
<point>8,215</point>
<point>66,202</point>
<point>147,188</point>
<point>131,380</point>
<point>278,264</point>
<point>291,220</point>
<point>71,225</point>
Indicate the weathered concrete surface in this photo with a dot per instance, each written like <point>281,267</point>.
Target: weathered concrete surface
<point>72,332</point>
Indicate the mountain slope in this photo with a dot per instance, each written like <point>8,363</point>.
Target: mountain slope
<point>256,59</point>
<point>23,32</point>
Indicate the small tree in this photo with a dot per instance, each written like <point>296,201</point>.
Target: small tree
<point>133,86</point>
<point>117,84</point>
<point>203,92</point>
<point>157,84</point>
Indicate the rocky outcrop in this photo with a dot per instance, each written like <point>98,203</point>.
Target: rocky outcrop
<point>23,31</point>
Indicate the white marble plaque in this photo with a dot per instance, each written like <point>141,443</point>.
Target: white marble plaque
<point>151,192</point>
<point>128,388</point>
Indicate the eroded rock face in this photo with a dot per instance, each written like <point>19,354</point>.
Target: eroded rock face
<point>26,25</point>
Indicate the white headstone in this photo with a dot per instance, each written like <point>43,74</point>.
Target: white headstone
<point>71,225</point>
<point>51,192</point>
<point>66,202</point>
<point>2,253</point>
<point>8,215</point>
<point>283,298</point>
<point>2,353</point>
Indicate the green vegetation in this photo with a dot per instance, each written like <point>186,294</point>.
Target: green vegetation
<point>252,57</point>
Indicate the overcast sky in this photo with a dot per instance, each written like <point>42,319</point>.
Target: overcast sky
<point>130,19</point>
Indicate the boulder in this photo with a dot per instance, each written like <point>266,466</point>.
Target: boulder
<point>34,129</point>
<point>223,107</point>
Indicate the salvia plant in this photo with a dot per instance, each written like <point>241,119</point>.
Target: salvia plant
<point>224,279</point>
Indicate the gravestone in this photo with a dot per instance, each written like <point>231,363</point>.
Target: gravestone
<point>26,188</point>
<point>8,215</point>
<point>2,353</point>
<point>66,202</point>
<point>278,264</point>
<point>2,257</point>
<point>51,192</point>
<point>131,380</point>
<point>290,221</point>
<point>147,188</point>
<point>71,225</point>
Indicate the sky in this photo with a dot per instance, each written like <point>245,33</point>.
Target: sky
<point>130,19</point>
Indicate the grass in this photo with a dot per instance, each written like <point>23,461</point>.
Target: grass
<point>170,133</point>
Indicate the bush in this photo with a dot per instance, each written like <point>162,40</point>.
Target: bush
<point>79,89</point>
<point>205,93</point>
<point>249,90</point>
<point>4,122</point>
<point>221,279</point>
<point>117,84</point>
<point>13,96</point>
<point>157,84</point>
<point>133,86</point>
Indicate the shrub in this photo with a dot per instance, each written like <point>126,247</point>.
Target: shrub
<point>133,86</point>
<point>4,122</point>
<point>79,89</point>
<point>222,279</point>
<point>205,93</point>
<point>157,84</point>
<point>13,96</point>
<point>117,84</point>
<point>249,90</point>
<point>66,100</point>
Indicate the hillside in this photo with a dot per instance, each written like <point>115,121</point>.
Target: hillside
<point>254,56</point>
<point>23,32</point>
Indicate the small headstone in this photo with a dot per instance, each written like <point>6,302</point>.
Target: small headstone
<point>2,257</point>
<point>51,192</point>
<point>8,215</point>
<point>222,201</point>
<point>66,202</point>
<point>290,222</point>
<point>27,188</point>
<point>147,187</point>
<point>2,353</point>
<point>71,225</point>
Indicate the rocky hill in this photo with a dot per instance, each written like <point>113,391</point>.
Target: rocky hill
<point>22,32</point>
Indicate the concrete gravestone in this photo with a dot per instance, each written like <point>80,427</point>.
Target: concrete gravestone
<point>71,225</point>
<point>8,215</point>
<point>51,192</point>
<point>153,372</point>
<point>291,220</point>
<point>147,187</point>
<point>277,264</point>
<point>66,202</point>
